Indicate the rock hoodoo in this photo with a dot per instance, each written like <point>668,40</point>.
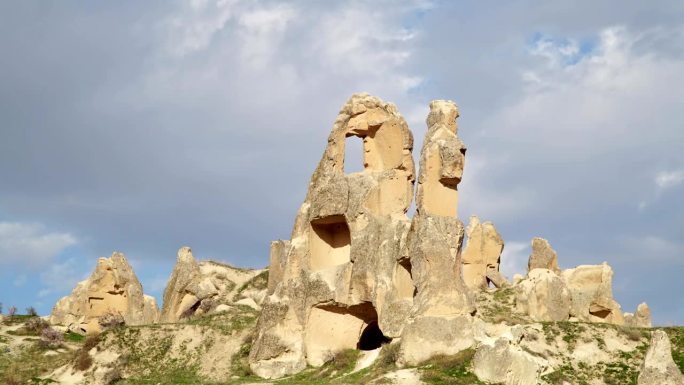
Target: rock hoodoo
<point>543,256</point>
<point>659,367</point>
<point>482,255</point>
<point>112,289</point>
<point>344,279</point>
<point>196,288</point>
<point>358,273</point>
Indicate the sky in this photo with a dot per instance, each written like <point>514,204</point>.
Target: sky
<point>142,127</point>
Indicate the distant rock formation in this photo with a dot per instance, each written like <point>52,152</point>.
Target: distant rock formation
<point>543,256</point>
<point>482,255</point>
<point>113,288</point>
<point>196,288</point>
<point>659,367</point>
<point>642,317</point>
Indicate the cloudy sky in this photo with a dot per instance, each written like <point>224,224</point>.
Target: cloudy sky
<point>143,127</point>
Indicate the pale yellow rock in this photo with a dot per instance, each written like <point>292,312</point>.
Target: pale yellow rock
<point>659,367</point>
<point>342,281</point>
<point>441,321</point>
<point>199,287</point>
<point>507,363</point>
<point>642,317</point>
<point>112,288</point>
<point>481,254</point>
<point>592,294</point>
<point>544,296</point>
<point>543,256</point>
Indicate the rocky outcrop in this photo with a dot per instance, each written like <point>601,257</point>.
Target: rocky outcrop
<point>642,317</point>
<point>659,367</point>
<point>507,363</point>
<point>543,296</point>
<point>443,301</point>
<point>543,256</point>
<point>196,288</point>
<point>591,288</point>
<point>482,255</point>
<point>113,288</point>
<point>344,279</point>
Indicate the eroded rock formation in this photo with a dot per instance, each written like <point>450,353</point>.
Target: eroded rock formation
<point>543,296</point>
<point>440,318</point>
<point>642,317</point>
<point>543,256</point>
<point>591,288</point>
<point>344,279</point>
<point>482,255</point>
<point>196,288</point>
<point>659,367</point>
<point>113,288</point>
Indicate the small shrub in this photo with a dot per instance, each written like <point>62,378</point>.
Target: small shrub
<point>36,325</point>
<point>91,342</point>
<point>111,320</point>
<point>51,338</point>
<point>0,307</point>
<point>12,311</point>
<point>83,360</point>
<point>31,311</point>
<point>345,360</point>
<point>388,356</point>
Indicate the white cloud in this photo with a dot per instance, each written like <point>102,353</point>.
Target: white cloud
<point>667,179</point>
<point>653,248</point>
<point>30,244</point>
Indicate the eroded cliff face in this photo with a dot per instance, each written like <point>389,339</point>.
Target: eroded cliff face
<point>113,288</point>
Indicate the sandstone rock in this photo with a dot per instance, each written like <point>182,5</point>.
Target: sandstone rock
<point>507,363</point>
<point>642,317</point>
<point>543,296</point>
<point>592,294</point>
<point>440,318</point>
<point>428,336</point>
<point>659,367</point>
<point>113,288</point>
<point>543,256</point>
<point>196,288</point>
<point>343,281</point>
<point>482,254</point>
<point>496,278</point>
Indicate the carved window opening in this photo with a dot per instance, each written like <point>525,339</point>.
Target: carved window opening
<point>330,242</point>
<point>353,155</point>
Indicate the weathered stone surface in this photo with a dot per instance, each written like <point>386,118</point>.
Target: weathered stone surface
<point>277,261</point>
<point>642,317</point>
<point>113,288</point>
<point>428,336</point>
<point>544,296</point>
<point>440,318</point>
<point>482,254</point>
<point>344,280</point>
<point>659,367</point>
<point>496,278</point>
<point>507,363</point>
<point>543,256</point>
<point>592,294</point>
<point>196,288</point>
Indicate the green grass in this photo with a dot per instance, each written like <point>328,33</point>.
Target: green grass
<point>676,335</point>
<point>74,337</point>
<point>29,363</point>
<point>451,370</point>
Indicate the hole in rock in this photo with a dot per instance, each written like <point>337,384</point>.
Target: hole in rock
<point>599,311</point>
<point>403,281</point>
<point>353,155</point>
<point>330,242</point>
<point>331,329</point>
<point>191,310</point>
<point>372,337</point>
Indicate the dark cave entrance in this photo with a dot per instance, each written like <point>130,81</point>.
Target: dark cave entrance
<point>372,337</point>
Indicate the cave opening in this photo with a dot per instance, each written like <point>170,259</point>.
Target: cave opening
<point>372,337</point>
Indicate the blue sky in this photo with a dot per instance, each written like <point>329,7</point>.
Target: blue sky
<point>145,127</point>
